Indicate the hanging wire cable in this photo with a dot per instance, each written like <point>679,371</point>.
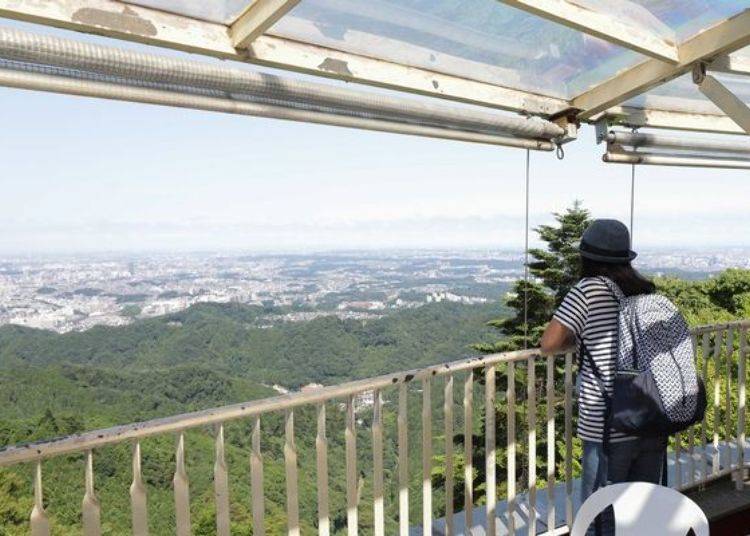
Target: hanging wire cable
<point>632,201</point>
<point>526,262</point>
<point>634,131</point>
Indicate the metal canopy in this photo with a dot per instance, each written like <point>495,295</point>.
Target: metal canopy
<point>628,61</point>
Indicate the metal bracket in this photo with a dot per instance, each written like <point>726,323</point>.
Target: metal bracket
<point>699,73</point>
<point>722,97</point>
<point>570,126</point>
<point>602,129</point>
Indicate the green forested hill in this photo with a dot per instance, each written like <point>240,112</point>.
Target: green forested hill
<point>209,355</point>
<point>227,338</point>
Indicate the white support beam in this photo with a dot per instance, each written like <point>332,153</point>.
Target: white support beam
<point>281,53</point>
<point>731,64</point>
<point>116,19</point>
<point>112,18</point>
<point>259,17</point>
<point>727,36</point>
<point>722,97</point>
<point>601,25</point>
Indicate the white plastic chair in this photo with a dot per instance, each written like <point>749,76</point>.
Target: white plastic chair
<point>643,509</point>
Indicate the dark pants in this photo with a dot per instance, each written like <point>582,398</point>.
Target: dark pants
<point>637,460</point>
<point>640,460</point>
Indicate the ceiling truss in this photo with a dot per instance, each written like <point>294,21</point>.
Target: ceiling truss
<point>726,37</point>
<point>246,40</point>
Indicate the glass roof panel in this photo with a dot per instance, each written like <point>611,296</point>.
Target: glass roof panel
<point>221,11</point>
<point>689,17</point>
<point>682,95</point>
<point>477,39</point>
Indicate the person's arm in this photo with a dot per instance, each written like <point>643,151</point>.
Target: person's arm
<point>567,322</point>
<point>556,337</point>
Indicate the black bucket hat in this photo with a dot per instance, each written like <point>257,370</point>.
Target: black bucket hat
<point>607,241</point>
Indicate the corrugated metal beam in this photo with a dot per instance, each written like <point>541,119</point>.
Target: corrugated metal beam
<point>601,25</point>
<point>625,157</point>
<point>259,17</point>
<point>727,36</point>
<point>667,119</point>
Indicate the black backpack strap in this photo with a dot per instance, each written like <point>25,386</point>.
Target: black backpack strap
<point>585,355</point>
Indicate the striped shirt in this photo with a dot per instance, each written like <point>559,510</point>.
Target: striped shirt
<point>590,311</point>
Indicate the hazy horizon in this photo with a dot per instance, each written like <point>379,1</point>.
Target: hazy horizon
<point>364,251</point>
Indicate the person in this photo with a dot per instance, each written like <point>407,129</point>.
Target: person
<point>588,315</point>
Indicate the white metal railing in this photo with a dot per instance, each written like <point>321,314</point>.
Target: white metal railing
<point>707,451</point>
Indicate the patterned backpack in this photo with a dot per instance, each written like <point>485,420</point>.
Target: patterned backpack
<point>657,391</point>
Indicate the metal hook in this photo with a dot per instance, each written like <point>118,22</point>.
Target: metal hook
<point>560,152</point>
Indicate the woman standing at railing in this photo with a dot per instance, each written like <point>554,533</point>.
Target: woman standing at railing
<point>589,315</point>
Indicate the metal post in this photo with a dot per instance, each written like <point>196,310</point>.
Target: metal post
<point>526,261</point>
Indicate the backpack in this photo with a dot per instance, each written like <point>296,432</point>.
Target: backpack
<point>657,391</point>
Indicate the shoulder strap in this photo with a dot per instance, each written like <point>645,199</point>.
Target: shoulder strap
<point>613,287</point>
<point>586,355</point>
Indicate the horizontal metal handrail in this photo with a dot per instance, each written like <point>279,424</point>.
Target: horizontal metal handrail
<point>107,436</point>
<point>699,330</point>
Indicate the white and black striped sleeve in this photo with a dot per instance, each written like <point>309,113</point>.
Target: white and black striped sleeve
<point>573,311</point>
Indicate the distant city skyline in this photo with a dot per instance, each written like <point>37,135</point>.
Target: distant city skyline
<point>76,293</point>
<point>83,175</point>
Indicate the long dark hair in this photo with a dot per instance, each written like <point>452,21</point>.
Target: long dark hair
<point>627,278</point>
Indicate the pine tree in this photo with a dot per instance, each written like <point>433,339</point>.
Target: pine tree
<point>553,271</point>
<point>559,266</point>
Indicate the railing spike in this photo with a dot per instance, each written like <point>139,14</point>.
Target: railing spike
<point>448,432</point>
<point>181,490</point>
<point>469,451</point>
<point>256,480</point>
<point>550,440</point>
<point>741,402</point>
<point>510,398</point>
<point>427,457</point>
<point>490,448</point>
<point>728,397</point>
<point>138,503</point>
<point>531,400</point>
<point>716,460</point>
<point>321,454</point>
<point>352,481</point>
<point>705,346</point>
<point>377,465</point>
<point>38,521</point>
<point>403,461</point>
<point>92,525</point>
<point>569,439</point>
<point>691,431</point>
<point>292,489</point>
<point>221,486</point>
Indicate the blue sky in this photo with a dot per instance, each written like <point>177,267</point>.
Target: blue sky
<point>83,175</point>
